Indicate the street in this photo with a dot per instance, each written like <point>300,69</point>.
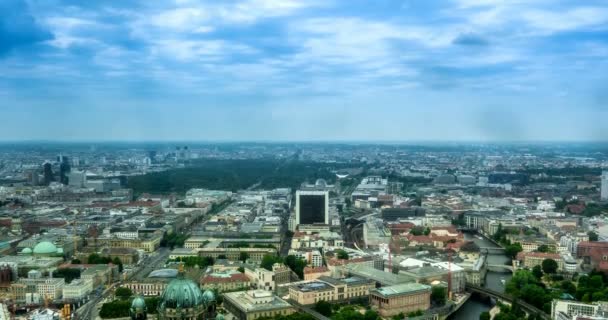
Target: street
<point>90,310</point>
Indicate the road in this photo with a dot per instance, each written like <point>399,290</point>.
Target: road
<point>90,310</point>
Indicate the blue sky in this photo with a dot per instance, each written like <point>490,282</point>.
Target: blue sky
<point>304,70</point>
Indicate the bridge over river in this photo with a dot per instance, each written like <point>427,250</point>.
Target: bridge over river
<point>528,308</point>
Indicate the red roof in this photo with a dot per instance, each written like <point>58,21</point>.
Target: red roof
<point>235,277</point>
<point>309,270</point>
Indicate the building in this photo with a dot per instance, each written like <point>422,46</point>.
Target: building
<point>269,279</point>
<point>531,259</point>
<point>47,170</point>
<point>604,192</point>
<point>183,299</point>
<point>147,288</point>
<point>195,242</point>
<point>98,274</point>
<point>312,273</point>
<point>77,179</point>
<point>138,310</point>
<point>226,281</point>
<point>253,304</point>
<point>312,256</point>
<point>234,254</point>
<point>401,298</point>
<point>148,243</point>
<point>77,290</point>
<point>312,207</point>
<point>330,289</point>
<point>594,254</point>
<point>568,309</point>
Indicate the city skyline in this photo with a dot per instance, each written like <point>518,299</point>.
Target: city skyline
<point>262,70</point>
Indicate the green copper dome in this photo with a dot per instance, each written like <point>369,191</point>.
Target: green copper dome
<point>45,247</point>
<point>26,251</point>
<point>208,296</point>
<point>138,303</point>
<point>181,293</point>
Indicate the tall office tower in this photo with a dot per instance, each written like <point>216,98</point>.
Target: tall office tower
<point>64,169</point>
<point>312,207</point>
<point>604,192</point>
<point>47,170</point>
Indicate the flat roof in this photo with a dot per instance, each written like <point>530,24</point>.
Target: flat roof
<point>400,289</point>
<point>241,300</point>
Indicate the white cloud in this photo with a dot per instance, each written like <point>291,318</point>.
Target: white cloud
<point>572,19</point>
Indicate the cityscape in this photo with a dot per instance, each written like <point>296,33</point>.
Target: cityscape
<point>303,160</point>
<point>303,231</point>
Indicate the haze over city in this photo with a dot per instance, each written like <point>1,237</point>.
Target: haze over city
<point>459,70</point>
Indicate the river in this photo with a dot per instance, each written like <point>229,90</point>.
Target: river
<point>475,306</point>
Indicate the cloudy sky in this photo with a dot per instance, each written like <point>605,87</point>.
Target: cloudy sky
<point>304,70</point>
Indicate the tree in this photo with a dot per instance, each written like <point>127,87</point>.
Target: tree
<point>289,233</point>
<point>413,314</point>
<point>269,260</point>
<point>401,316</point>
<point>439,295</point>
<point>243,256</point>
<point>221,256</point>
<point>118,262</point>
<point>342,254</point>
<point>549,266</point>
<point>296,265</point>
<point>417,231</point>
<point>543,248</point>
<point>241,269</point>
<point>323,307</point>
<point>568,287</point>
<point>123,293</point>
<point>68,274</point>
<point>484,316</point>
<point>427,231</point>
<point>371,315</point>
<point>76,261</point>
<point>513,249</point>
<point>537,271</point>
<point>593,236</point>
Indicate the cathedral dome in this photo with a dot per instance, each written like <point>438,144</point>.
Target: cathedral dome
<point>45,247</point>
<point>181,293</point>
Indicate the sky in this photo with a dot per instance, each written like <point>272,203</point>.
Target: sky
<point>305,70</point>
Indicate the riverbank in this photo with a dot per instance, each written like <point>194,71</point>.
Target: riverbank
<point>476,305</point>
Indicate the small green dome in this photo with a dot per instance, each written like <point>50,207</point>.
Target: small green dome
<point>45,247</point>
<point>59,250</point>
<point>26,251</point>
<point>181,293</point>
<point>219,317</point>
<point>138,303</point>
<point>208,296</point>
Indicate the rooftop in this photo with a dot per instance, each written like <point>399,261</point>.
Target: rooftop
<point>404,288</point>
<point>256,300</point>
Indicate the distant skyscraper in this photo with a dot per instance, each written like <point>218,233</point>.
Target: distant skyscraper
<point>604,192</point>
<point>312,207</point>
<point>47,170</point>
<point>32,177</point>
<point>64,169</point>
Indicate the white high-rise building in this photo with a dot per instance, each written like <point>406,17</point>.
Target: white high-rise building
<point>604,192</point>
<point>77,179</point>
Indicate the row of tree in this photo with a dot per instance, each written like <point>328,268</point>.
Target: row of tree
<point>294,263</point>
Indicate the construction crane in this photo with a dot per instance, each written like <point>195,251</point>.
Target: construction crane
<point>449,274</point>
<point>75,237</point>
